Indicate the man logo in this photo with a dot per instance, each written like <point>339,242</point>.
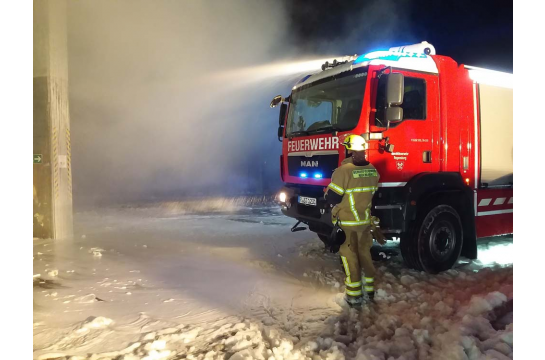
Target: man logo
<point>400,165</point>
<point>309,163</point>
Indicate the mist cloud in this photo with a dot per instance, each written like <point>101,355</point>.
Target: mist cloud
<point>149,115</point>
<point>170,98</point>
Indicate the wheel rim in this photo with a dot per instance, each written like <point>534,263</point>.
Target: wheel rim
<point>442,241</point>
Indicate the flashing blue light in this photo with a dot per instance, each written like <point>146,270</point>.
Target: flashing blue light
<point>381,54</point>
<point>318,176</point>
<point>303,79</point>
<point>387,55</point>
<point>370,56</point>
<point>303,175</point>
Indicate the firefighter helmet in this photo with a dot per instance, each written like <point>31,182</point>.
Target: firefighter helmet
<point>354,143</point>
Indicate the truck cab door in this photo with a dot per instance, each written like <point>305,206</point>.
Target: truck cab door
<point>415,138</point>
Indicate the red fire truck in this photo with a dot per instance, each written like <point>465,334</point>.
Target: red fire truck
<point>440,135</point>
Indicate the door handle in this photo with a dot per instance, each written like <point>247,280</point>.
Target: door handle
<point>426,157</point>
<point>466,162</point>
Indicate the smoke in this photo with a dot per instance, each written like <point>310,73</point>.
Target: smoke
<point>170,98</point>
<point>349,27</point>
<point>164,101</point>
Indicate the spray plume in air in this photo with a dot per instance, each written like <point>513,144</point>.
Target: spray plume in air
<point>285,71</point>
<point>170,98</point>
<point>153,115</point>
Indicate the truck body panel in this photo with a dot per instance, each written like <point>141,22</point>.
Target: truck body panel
<point>496,120</point>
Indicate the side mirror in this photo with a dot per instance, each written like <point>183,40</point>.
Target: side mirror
<point>276,100</point>
<point>394,114</point>
<point>280,133</point>
<point>282,115</point>
<point>395,86</point>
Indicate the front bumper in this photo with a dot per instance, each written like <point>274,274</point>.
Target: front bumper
<point>318,218</point>
<point>387,206</point>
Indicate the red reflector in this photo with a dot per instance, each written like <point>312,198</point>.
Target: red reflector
<point>413,203</point>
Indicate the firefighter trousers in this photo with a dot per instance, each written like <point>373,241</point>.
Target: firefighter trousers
<point>356,256</point>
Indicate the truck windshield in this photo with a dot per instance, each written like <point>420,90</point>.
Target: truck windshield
<point>329,104</point>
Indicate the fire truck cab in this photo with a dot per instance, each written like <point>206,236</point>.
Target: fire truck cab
<point>439,134</point>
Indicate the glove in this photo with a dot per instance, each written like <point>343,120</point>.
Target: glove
<point>378,236</point>
<point>376,232</point>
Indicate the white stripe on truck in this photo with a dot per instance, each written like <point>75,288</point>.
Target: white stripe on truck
<point>495,212</point>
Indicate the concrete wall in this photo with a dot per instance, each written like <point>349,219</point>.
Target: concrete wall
<point>52,178</point>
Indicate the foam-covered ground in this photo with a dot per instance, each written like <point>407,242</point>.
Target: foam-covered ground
<point>225,280</point>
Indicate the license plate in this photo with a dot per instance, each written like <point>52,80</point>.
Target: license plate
<point>307,201</point>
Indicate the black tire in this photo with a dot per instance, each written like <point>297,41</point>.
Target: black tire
<point>435,242</point>
<point>408,253</point>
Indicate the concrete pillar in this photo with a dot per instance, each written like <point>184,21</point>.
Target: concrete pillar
<point>52,168</point>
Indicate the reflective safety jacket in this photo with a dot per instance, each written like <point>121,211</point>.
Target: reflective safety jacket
<point>356,185</point>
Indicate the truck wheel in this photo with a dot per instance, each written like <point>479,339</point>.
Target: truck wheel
<point>436,240</point>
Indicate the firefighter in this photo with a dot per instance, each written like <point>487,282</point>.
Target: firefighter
<point>350,193</point>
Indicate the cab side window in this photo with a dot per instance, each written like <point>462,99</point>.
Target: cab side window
<point>414,100</point>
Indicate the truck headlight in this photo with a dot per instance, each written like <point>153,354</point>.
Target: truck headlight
<point>282,197</point>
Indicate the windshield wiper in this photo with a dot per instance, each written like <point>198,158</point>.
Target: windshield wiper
<point>298,133</point>
<point>327,128</point>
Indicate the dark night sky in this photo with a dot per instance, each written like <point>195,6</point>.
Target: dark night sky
<point>478,32</point>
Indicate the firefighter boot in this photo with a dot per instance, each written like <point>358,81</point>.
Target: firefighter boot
<point>346,301</point>
<point>354,302</point>
<point>369,288</point>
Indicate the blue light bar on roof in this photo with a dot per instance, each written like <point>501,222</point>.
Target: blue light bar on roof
<point>303,79</point>
<point>387,55</point>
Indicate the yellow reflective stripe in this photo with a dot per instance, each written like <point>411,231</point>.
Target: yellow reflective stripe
<point>354,293</point>
<point>353,207</point>
<point>352,284</point>
<point>369,280</point>
<point>346,269</point>
<point>367,213</point>
<point>369,288</point>
<point>339,190</point>
<point>362,189</point>
<point>354,223</point>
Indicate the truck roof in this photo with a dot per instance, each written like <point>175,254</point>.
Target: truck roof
<point>404,59</point>
<point>417,57</point>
